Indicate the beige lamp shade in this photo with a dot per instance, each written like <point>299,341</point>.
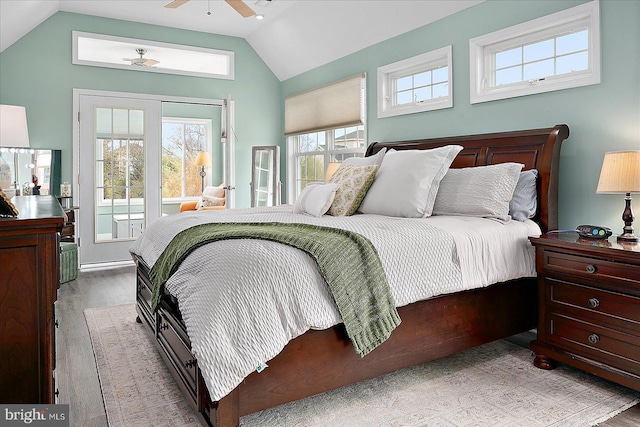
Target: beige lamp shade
<point>620,173</point>
<point>332,167</point>
<point>13,126</point>
<point>203,159</point>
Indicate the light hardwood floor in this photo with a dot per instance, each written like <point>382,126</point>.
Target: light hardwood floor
<point>77,378</point>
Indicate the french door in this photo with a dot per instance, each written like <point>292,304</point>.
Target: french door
<point>119,174</point>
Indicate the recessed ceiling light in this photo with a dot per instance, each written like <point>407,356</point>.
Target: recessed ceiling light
<point>259,16</point>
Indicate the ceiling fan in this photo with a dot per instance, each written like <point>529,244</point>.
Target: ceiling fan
<point>142,62</point>
<point>239,5</point>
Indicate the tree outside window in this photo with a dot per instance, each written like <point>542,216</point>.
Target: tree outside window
<point>182,140</point>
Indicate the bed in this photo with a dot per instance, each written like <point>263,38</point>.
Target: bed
<point>430,329</point>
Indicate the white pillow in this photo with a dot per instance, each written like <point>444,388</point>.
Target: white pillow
<point>315,199</point>
<point>483,191</point>
<point>407,182</point>
<point>376,159</point>
<point>211,196</point>
<point>213,191</point>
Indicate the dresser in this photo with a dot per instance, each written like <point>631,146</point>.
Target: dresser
<point>589,306</point>
<point>29,254</point>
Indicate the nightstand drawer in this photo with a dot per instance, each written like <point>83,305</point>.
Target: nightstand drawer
<point>617,308</point>
<point>591,268</point>
<point>598,343</point>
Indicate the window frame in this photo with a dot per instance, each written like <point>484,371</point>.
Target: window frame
<point>428,61</point>
<point>328,154</point>
<point>482,52</point>
<point>208,126</point>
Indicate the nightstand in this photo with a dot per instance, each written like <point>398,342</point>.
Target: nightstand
<point>589,306</point>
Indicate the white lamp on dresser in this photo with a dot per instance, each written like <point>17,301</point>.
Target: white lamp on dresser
<point>14,135</point>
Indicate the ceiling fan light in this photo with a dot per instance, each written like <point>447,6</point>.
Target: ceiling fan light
<point>259,17</point>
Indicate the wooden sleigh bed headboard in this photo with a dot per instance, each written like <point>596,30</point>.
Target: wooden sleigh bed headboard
<point>322,360</point>
<point>535,149</point>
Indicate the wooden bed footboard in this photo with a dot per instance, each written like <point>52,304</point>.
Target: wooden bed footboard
<point>319,361</point>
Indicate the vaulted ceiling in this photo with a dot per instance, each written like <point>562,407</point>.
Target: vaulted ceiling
<point>294,36</point>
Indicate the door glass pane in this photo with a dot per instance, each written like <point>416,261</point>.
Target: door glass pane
<point>119,174</point>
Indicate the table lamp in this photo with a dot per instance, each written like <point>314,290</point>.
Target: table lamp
<point>204,161</point>
<point>15,134</point>
<point>620,174</point>
<point>332,167</point>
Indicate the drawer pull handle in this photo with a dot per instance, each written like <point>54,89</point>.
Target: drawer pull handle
<point>591,268</point>
<point>164,326</point>
<point>189,363</point>
<point>593,302</point>
<point>593,339</point>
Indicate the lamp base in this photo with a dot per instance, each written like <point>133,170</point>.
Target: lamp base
<point>628,238</point>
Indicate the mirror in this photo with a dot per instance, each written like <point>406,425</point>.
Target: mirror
<point>265,176</point>
<point>39,169</point>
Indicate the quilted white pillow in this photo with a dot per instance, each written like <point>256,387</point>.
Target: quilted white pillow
<point>315,199</point>
<point>407,182</point>
<point>483,191</point>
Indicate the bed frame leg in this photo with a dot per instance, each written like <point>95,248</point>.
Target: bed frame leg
<point>225,412</point>
<point>543,362</point>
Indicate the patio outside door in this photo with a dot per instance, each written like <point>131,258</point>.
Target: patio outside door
<point>119,174</point>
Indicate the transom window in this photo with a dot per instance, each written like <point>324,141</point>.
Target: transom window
<point>558,51</point>
<point>417,84</point>
<point>422,86</point>
<point>559,55</point>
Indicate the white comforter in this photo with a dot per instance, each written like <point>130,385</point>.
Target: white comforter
<point>243,300</point>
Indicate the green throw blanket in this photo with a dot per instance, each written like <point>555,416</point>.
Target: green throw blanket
<point>348,262</point>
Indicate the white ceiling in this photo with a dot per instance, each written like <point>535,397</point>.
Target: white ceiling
<point>294,37</point>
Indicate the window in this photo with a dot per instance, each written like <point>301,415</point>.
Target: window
<point>417,84</point>
<point>558,51</point>
<point>99,50</point>
<point>182,140</point>
<point>314,151</point>
<point>323,125</point>
<point>120,156</point>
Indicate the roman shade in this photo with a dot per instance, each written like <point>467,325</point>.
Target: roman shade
<point>339,104</point>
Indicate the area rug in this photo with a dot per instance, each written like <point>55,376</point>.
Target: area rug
<point>492,385</point>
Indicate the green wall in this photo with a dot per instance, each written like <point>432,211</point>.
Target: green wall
<point>603,117</point>
<point>36,72</point>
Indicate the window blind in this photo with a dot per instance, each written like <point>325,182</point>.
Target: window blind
<point>339,104</point>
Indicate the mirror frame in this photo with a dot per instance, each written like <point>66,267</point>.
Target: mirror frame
<point>275,173</point>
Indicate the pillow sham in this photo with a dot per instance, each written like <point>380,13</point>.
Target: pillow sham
<point>483,191</point>
<point>376,159</point>
<point>354,183</point>
<point>407,182</point>
<point>315,199</point>
<point>524,203</point>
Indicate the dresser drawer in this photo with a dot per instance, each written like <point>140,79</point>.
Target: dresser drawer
<point>596,269</point>
<point>598,343</point>
<point>178,351</point>
<point>597,304</point>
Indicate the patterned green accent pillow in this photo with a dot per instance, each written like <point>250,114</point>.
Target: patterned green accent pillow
<point>354,183</point>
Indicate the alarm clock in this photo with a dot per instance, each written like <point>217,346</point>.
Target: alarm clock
<point>593,231</point>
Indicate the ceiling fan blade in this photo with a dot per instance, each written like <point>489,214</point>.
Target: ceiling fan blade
<point>175,3</point>
<point>241,8</point>
<point>150,62</point>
